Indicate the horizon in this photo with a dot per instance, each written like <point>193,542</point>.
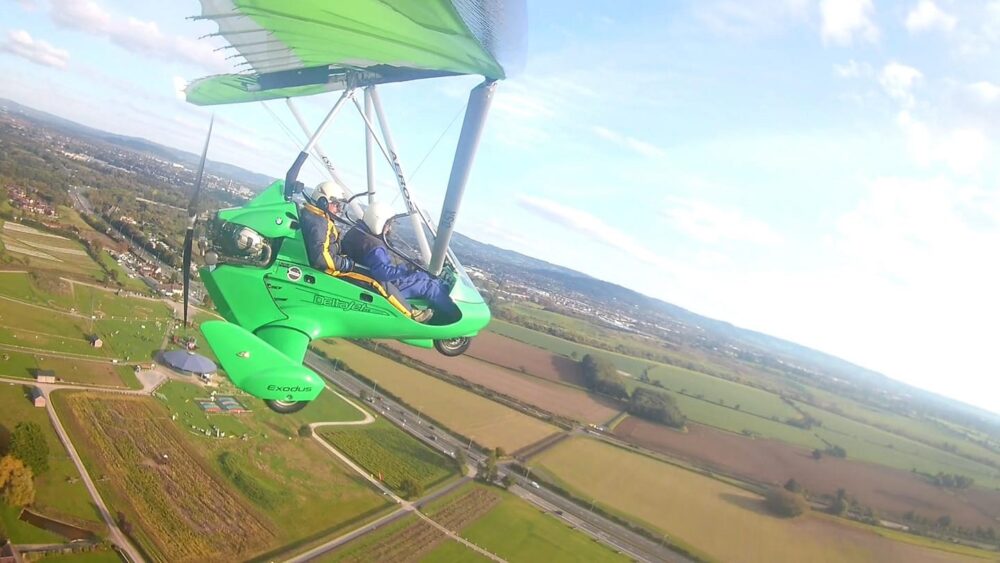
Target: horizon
<point>858,197</point>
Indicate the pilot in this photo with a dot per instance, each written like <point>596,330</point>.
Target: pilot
<point>322,241</point>
<point>364,244</point>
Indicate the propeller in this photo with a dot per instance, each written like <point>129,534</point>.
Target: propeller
<point>192,218</point>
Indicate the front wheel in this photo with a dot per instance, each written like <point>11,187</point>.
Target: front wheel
<point>453,346</point>
<point>285,407</point>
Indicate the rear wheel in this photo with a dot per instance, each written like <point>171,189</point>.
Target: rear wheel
<point>285,407</point>
<point>453,346</point>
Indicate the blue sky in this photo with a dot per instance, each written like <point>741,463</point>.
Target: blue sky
<point>824,171</point>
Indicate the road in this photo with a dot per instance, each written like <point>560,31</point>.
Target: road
<point>601,529</point>
<point>114,532</point>
<point>405,506</point>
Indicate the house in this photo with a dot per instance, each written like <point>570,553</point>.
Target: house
<point>96,341</point>
<point>45,376</point>
<point>37,397</point>
<point>8,554</point>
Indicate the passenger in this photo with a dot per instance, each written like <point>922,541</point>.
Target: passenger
<point>322,241</point>
<point>363,244</point>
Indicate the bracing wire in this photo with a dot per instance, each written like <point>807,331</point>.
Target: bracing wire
<point>292,137</point>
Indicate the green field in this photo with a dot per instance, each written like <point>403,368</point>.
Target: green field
<point>59,492</point>
<point>390,454</point>
<point>487,422</point>
<point>38,250</point>
<point>517,531</point>
<point>97,556</point>
<point>716,520</point>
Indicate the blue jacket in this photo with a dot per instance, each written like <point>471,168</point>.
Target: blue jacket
<point>322,240</point>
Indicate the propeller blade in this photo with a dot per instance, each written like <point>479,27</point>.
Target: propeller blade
<point>192,217</point>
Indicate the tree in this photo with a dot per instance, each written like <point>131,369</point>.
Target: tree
<point>785,503</point>
<point>490,467</point>
<point>944,521</point>
<point>508,481</point>
<point>793,485</point>
<point>656,406</point>
<point>16,486</point>
<point>410,487</point>
<point>460,459</point>
<point>839,505</point>
<point>28,444</point>
<point>305,431</point>
<point>817,454</point>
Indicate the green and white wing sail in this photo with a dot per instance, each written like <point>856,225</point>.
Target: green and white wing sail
<point>304,47</point>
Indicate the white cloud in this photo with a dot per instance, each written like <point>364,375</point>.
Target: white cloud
<point>985,91</point>
<point>847,20</point>
<point>592,227</point>
<point>136,35</point>
<point>963,150</point>
<point>710,224</point>
<point>20,43</point>
<point>897,80</point>
<point>853,69</point>
<point>926,16</point>
<point>743,18</point>
<point>638,146</point>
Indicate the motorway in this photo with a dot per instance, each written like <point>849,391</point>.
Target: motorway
<point>601,529</point>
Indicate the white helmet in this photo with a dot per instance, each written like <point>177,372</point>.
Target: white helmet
<point>331,191</point>
<point>375,217</point>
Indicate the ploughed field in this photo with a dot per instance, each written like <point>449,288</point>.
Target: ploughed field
<point>515,355</point>
<point>891,492</point>
<point>558,399</point>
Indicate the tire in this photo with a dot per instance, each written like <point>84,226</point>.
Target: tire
<point>453,346</point>
<point>286,407</point>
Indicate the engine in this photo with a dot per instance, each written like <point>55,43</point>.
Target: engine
<point>231,243</point>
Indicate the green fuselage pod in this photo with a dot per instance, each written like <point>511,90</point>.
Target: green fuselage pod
<point>286,303</point>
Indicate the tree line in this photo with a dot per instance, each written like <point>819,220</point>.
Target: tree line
<point>601,376</point>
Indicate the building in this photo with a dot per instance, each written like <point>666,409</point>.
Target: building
<point>37,397</point>
<point>96,341</point>
<point>45,376</point>
<point>8,554</point>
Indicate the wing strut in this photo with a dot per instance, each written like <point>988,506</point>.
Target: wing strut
<point>480,99</point>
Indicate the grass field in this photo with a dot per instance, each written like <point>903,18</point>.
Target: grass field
<point>717,520</point>
<point>517,531</point>
<point>391,454</point>
<point>40,250</point>
<point>488,423</point>
<point>59,492</point>
<point>97,556</point>
<point>318,494</point>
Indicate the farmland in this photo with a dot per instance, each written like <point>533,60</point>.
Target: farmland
<point>179,510</point>
<point>59,491</point>
<point>489,423</point>
<point>518,531</point>
<point>46,251</point>
<point>891,492</point>
<point>318,495</point>
<point>412,538</point>
<point>558,399</point>
<point>739,408</point>
<point>47,328</point>
<point>388,452</point>
<point>512,354</point>
<point>688,507</point>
